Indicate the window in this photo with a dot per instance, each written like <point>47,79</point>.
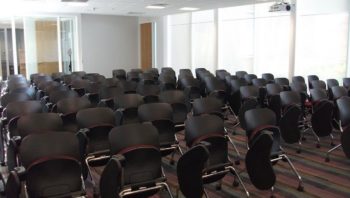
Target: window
<point>180,41</point>
<point>236,44</point>
<point>321,46</point>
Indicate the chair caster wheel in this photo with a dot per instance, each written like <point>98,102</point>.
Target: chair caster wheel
<point>218,187</point>
<point>301,188</point>
<point>327,159</point>
<point>235,183</point>
<point>318,146</point>
<point>298,151</point>
<point>237,162</point>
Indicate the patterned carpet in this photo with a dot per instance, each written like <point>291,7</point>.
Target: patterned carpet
<point>321,179</point>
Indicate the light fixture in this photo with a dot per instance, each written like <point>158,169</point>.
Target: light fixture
<point>77,4</point>
<point>188,9</point>
<point>155,7</point>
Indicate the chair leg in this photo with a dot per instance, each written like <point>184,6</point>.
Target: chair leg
<point>167,189</point>
<point>234,172</point>
<point>218,185</point>
<point>300,186</point>
<point>87,160</point>
<point>237,161</point>
<point>330,151</point>
<point>332,138</point>
<point>206,194</point>
<point>272,192</point>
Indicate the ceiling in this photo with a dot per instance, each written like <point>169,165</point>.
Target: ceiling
<point>113,7</point>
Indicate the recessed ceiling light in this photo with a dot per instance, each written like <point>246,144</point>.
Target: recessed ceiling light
<point>77,4</point>
<point>188,9</point>
<point>155,7</point>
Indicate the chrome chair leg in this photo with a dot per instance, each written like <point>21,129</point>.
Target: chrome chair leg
<point>234,172</point>
<point>167,188</point>
<point>237,161</point>
<point>300,186</point>
<point>206,194</point>
<point>330,151</point>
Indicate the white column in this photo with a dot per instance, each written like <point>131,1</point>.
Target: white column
<point>292,39</point>
<point>60,69</point>
<point>216,45</point>
<point>14,46</point>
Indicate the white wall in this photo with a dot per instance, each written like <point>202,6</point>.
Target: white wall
<point>109,42</point>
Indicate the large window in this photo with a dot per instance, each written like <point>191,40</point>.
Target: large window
<point>321,47</point>
<point>179,46</point>
<point>236,43</point>
<point>203,40</point>
<point>252,39</point>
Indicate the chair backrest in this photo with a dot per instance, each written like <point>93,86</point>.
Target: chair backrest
<point>299,87</point>
<point>235,84</point>
<point>92,117</point>
<point>190,171</point>
<point>229,78</point>
<point>36,123</point>
<point>155,111</point>
<point>259,82</point>
<point>221,74</point>
<point>346,82</point>
<point>128,86</point>
<point>332,83</point>
<point>206,105</point>
<point>318,94</point>
<point>249,78</point>
<point>268,77</point>
<point>213,84</point>
<point>322,118</point>
<point>318,84</point>
<point>72,105</point>
<point>282,81</point>
<point>343,105</point>
<point>147,90</point>
<point>56,96</point>
<point>126,101</point>
<point>19,108</point>
<point>273,89</point>
<point>208,128</point>
<point>338,92</point>
<point>311,78</point>
<point>139,144</point>
<point>110,92</point>
<point>30,91</point>
<point>119,74</point>
<point>52,155</point>
<point>13,97</point>
<point>298,79</point>
<point>290,97</point>
<point>241,74</point>
<point>249,91</point>
<point>289,123</point>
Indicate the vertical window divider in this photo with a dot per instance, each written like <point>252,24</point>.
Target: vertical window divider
<point>216,48</point>
<point>14,46</point>
<point>60,69</point>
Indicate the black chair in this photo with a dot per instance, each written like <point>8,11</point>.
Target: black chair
<point>311,78</point>
<point>346,83</point>
<point>44,157</point>
<point>249,78</point>
<point>273,89</point>
<point>119,74</point>
<point>126,108</point>
<point>318,95</point>
<point>161,116</point>
<point>79,73</point>
<point>128,86</point>
<point>135,167</point>
<point>298,79</point>
<point>149,92</point>
<point>284,82</point>
<point>68,108</point>
<point>216,88</point>
<point>107,95</point>
<point>13,97</point>
<point>235,96</point>
<point>241,74</point>
<point>210,128</point>
<point>167,82</point>
<point>318,84</point>
<point>32,123</point>
<point>221,74</point>
<point>261,123</point>
<point>189,171</point>
<point>331,83</point>
<point>343,105</point>
<point>291,121</point>
<point>30,91</point>
<point>95,125</point>
<point>56,96</point>
<point>180,105</point>
<point>111,82</point>
<point>133,76</point>
<point>80,86</point>
<point>57,76</point>
<point>147,78</point>
<point>338,92</point>
<point>268,77</point>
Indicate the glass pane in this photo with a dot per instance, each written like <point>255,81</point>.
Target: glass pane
<point>20,45</point>
<point>41,45</point>
<point>203,40</point>
<point>322,42</point>
<point>179,31</point>
<point>6,58</point>
<point>67,44</point>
